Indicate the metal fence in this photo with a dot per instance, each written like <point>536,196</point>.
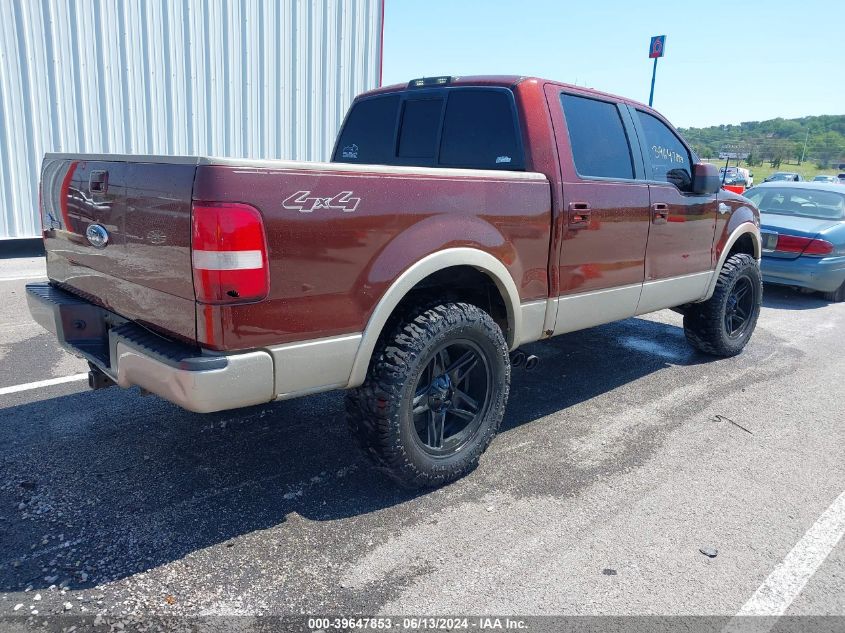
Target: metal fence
<point>242,78</point>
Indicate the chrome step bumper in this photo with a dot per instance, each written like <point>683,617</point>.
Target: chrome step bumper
<point>132,355</point>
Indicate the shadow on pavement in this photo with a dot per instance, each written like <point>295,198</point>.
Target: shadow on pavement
<point>786,298</point>
<point>97,486</point>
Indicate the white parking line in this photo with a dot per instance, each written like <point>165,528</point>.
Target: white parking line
<point>787,580</point>
<point>23,278</point>
<point>4,391</point>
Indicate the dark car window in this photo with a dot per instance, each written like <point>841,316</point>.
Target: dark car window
<point>479,131</point>
<point>599,144</point>
<point>369,132</point>
<point>807,203</point>
<point>669,157</point>
<point>420,122</point>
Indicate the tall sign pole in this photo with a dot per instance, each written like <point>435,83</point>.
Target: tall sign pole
<point>655,51</point>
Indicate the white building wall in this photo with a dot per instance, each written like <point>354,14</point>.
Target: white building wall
<point>243,78</point>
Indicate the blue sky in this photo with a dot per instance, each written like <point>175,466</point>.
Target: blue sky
<point>725,62</point>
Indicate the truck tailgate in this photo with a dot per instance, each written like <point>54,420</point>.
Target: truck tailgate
<point>142,271</point>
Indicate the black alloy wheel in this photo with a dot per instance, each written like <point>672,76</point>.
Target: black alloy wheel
<point>739,308</point>
<point>723,325</point>
<point>451,398</point>
<point>434,395</point>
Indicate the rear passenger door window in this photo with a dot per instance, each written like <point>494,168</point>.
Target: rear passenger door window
<point>600,146</point>
<point>670,160</point>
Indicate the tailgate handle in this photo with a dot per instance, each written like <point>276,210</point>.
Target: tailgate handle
<point>579,215</point>
<point>98,181</point>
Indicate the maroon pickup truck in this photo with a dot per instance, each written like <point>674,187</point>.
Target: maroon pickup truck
<point>459,219</point>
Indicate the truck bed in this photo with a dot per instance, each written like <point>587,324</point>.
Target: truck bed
<point>337,236</point>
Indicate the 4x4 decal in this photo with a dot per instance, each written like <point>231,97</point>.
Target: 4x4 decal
<point>304,202</point>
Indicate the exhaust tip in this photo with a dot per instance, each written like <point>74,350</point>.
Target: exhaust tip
<point>531,362</point>
<point>517,358</point>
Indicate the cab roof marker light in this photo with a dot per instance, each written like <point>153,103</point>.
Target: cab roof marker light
<point>422,82</point>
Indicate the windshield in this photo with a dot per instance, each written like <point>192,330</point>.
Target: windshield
<point>805,203</point>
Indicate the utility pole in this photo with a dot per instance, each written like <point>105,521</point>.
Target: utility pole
<point>655,51</point>
<point>803,151</point>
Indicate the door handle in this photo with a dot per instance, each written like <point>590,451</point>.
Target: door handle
<point>660,213</point>
<point>579,215</point>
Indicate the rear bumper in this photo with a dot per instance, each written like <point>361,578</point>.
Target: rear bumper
<point>133,356</point>
<point>824,274</point>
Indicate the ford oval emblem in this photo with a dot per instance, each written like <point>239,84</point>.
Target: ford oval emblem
<point>97,235</point>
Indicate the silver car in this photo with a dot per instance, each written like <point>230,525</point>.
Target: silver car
<point>802,225</point>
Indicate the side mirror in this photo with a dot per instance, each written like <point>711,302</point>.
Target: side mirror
<point>680,178</point>
<point>705,178</point>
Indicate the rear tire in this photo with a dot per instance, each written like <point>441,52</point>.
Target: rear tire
<point>837,296</point>
<point>434,396</point>
<point>722,325</point>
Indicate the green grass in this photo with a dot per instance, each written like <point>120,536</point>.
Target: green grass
<point>807,169</point>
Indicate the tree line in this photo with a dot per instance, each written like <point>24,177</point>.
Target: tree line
<point>819,139</point>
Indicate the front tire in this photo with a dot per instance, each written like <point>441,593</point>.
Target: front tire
<point>434,396</point>
<point>722,325</point>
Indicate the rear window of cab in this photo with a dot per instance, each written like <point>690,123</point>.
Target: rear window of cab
<point>471,128</point>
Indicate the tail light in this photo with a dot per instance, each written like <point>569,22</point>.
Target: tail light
<point>803,245</point>
<point>228,253</point>
<point>818,247</point>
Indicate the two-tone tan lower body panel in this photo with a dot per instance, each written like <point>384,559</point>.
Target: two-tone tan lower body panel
<point>588,309</point>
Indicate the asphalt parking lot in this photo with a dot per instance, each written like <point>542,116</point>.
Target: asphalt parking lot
<point>621,457</point>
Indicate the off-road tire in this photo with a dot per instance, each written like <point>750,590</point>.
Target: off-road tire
<point>837,296</point>
<point>379,411</point>
<point>704,323</point>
